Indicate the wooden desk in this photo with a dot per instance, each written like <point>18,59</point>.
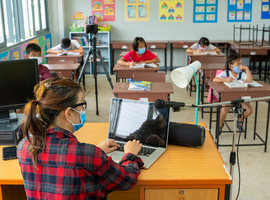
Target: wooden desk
<point>199,172</point>
<point>127,72</point>
<point>125,52</point>
<point>185,44</point>
<point>224,93</point>
<point>64,70</point>
<point>205,72</point>
<point>159,90</point>
<point>151,44</point>
<point>195,57</point>
<point>54,59</point>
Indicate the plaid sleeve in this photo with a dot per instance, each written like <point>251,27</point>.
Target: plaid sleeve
<point>113,176</point>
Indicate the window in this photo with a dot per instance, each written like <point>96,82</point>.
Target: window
<point>21,20</point>
<point>43,14</point>
<point>37,15</point>
<point>2,40</point>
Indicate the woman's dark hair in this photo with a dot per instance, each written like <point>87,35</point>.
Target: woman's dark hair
<point>231,59</point>
<point>136,42</point>
<point>32,47</point>
<point>51,97</point>
<point>204,41</point>
<point>65,43</point>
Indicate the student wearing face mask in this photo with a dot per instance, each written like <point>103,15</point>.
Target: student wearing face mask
<point>234,71</point>
<point>66,46</point>
<point>54,164</point>
<point>203,46</point>
<point>33,51</point>
<point>140,54</point>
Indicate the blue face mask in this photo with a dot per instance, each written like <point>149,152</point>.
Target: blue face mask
<point>236,69</point>
<point>142,51</point>
<point>66,49</point>
<point>80,125</point>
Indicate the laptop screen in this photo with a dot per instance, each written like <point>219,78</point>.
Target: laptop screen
<point>130,119</point>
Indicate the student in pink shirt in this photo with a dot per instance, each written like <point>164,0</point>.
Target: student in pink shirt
<point>33,51</point>
<point>140,54</point>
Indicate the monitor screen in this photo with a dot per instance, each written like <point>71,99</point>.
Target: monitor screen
<point>17,81</point>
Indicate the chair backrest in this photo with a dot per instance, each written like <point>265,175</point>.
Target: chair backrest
<point>213,59</point>
<point>149,76</point>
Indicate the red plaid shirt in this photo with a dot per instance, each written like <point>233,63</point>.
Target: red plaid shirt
<point>68,169</point>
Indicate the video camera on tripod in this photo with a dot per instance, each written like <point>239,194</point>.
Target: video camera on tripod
<point>92,28</point>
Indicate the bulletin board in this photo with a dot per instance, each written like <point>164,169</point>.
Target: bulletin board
<point>265,9</point>
<point>239,11</point>
<point>205,11</point>
<point>104,10</point>
<point>171,11</point>
<point>137,10</point>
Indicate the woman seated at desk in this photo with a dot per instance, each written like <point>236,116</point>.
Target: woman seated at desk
<point>54,164</point>
<point>140,54</point>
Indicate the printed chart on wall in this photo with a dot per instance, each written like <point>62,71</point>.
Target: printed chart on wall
<point>265,9</point>
<point>137,10</point>
<point>171,10</point>
<point>239,11</point>
<point>205,11</point>
<point>104,10</point>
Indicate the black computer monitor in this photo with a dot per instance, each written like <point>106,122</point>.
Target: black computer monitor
<point>17,81</point>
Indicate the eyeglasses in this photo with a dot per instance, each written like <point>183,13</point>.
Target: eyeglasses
<point>83,104</point>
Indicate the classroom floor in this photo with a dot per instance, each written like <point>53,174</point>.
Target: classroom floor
<point>254,162</point>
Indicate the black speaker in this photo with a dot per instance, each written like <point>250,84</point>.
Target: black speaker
<point>186,134</point>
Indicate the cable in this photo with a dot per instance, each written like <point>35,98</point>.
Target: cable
<point>237,157</point>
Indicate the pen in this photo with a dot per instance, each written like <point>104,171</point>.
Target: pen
<point>130,58</point>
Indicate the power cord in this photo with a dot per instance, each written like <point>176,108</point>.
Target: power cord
<point>237,157</point>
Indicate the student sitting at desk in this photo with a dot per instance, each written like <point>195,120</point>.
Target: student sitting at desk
<point>33,51</point>
<point>54,164</point>
<point>66,46</point>
<point>140,54</point>
<point>203,46</point>
<point>234,71</point>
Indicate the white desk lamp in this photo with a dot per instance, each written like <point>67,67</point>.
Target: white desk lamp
<point>182,76</point>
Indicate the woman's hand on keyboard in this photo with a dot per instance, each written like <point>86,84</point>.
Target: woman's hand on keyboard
<point>108,146</point>
<point>133,147</point>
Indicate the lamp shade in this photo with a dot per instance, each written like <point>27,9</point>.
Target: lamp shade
<point>182,75</point>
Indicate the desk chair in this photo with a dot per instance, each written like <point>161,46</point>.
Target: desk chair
<point>212,76</point>
<point>152,77</point>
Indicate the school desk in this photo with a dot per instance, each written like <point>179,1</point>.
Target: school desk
<point>127,45</point>
<point>246,50</point>
<point>159,90</point>
<point>224,93</point>
<point>124,72</point>
<point>181,172</point>
<point>54,59</point>
<point>125,52</point>
<point>64,70</point>
<point>205,71</point>
<point>185,44</point>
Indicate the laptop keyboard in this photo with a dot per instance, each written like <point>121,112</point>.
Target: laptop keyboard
<point>145,151</point>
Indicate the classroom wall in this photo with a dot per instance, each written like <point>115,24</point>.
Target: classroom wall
<point>155,30</point>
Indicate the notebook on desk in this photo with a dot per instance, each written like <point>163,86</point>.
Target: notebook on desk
<point>205,53</point>
<point>68,54</point>
<point>130,119</point>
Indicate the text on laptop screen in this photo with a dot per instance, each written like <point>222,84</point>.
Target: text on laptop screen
<point>130,119</point>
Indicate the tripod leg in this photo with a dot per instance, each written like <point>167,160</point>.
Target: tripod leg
<point>104,67</point>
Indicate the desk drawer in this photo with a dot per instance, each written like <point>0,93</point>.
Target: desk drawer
<point>181,194</point>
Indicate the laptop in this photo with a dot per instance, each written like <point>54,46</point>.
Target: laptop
<point>130,119</point>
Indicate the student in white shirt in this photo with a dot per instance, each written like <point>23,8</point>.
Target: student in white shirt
<point>66,46</point>
<point>203,46</point>
<point>234,71</point>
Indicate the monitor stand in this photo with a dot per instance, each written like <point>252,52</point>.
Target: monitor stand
<point>8,117</point>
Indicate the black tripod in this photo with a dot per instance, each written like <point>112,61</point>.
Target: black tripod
<point>96,52</point>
